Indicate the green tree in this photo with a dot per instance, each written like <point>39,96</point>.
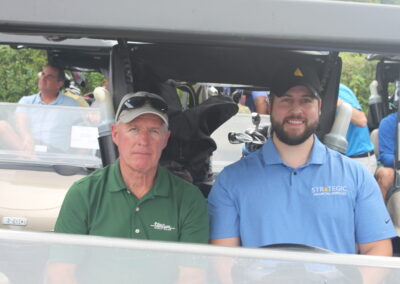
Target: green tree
<point>19,72</point>
<point>357,74</point>
<point>93,80</point>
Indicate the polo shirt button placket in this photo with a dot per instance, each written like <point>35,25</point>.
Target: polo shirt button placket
<point>137,209</point>
<point>292,176</point>
<point>137,231</point>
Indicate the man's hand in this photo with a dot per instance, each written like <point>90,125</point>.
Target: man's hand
<point>374,275</point>
<point>222,264</point>
<point>61,273</point>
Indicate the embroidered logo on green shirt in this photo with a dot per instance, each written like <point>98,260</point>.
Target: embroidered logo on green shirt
<point>163,227</point>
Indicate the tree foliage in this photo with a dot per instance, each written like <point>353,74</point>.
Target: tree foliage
<point>19,72</point>
<point>357,74</point>
<point>93,80</point>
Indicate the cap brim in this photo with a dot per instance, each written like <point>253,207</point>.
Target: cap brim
<point>128,115</point>
<point>284,88</point>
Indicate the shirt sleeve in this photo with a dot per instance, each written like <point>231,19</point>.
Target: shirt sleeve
<point>386,137</point>
<point>372,220</point>
<point>224,215</point>
<point>73,217</point>
<point>195,227</point>
<point>23,100</point>
<point>349,97</point>
<point>256,94</point>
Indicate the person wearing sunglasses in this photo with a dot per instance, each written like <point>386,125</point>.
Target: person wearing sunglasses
<point>135,197</point>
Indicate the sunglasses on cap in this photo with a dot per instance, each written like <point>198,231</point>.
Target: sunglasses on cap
<point>139,101</point>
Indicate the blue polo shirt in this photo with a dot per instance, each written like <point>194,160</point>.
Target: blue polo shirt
<point>61,100</point>
<point>357,137</point>
<point>387,140</point>
<point>49,126</point>
<point>331,202</point>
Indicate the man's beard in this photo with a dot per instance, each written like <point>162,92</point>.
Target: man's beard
<point>292,140</point>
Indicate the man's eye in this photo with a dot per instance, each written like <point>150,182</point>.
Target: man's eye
<point>155,131</point>
<point>133,129</point>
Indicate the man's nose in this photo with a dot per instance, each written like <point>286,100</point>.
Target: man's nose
<point>296,107</point>
<point>144,137</point>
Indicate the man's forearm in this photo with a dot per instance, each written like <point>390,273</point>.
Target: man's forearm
<point>378,248</point>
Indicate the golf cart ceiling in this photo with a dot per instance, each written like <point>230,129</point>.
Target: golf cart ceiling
<point>386,58</point>
<point>312,25</point>
<point>234,65</point>
<point>183,62</point>
<point>73,54</point>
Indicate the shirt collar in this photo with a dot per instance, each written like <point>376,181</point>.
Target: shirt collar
<point>271,154</point>
<point>116,183</point>
<point>57,101</point>
<point>160,187</point>
<point>114,180</point>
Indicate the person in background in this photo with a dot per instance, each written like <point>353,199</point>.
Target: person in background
<point>260,99</point>
<point>387,143</point>
<point>360,147</point>
<point>28,125</point>
<point>256,101</point>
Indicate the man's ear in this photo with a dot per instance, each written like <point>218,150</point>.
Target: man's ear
<point>320,106</point>
<point>114,133</point>
<point>60,84</point>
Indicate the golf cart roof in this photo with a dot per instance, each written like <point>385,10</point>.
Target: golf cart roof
<point>384,57</point>
<point>304,24</point>
<point>74,54</point>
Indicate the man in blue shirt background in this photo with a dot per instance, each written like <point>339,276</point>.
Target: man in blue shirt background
<point>360,147</point>
<point>387,142</point>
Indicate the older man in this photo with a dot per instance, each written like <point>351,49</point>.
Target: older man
<point>295,189</point>
<point>135,197</point>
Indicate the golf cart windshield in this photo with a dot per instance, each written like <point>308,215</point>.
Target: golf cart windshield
<point>49,135</point>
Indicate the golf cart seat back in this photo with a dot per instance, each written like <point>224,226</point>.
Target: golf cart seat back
<point>190,146</point>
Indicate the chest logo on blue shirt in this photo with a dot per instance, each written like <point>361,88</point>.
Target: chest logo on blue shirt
<point>329,190</point>
<point>162,227</point>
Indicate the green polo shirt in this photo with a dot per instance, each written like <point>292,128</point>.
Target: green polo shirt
<point>101,204</point>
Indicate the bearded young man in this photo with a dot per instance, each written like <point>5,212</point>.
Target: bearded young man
<point>295,189</point>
